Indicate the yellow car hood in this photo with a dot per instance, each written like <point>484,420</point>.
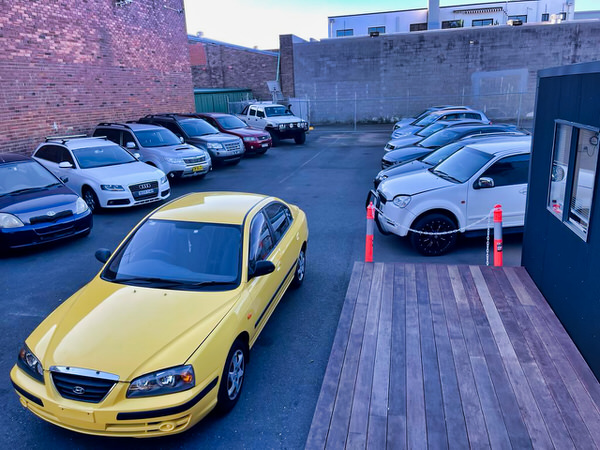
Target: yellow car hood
<point>128,331</point>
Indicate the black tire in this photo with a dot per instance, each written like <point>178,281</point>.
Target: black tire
<point>429,245</point>
<point>275,139</point>
<point>300,138</point>
<point>300,272</point>
<point>90,197</point>
<point>232,379</point>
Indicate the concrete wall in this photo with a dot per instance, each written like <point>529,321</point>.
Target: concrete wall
<point>220,65</point>
<point>382,78</point>
<point>65,66</point>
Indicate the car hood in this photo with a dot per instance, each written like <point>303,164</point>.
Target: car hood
<point>179,150</point>
<point>406,154</point>
<point>412,183</point>
<point>124,174</point>
<point>29,203</point>
<point>284,119</point>
<point>249,132</point>
<point>404,141</point>
<point>220,138</point>
<point>128,330</point>
<point>401,169</point>
<point>403,122</point>
<point>405,131</point>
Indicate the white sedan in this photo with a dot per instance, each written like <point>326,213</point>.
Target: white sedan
<point>103,173</point>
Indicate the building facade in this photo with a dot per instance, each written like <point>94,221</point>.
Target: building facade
<point>463,16</point>
<point>66,66</point>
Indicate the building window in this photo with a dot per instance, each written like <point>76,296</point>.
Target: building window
<point>418,26</point>
<point>458,23</point>
<point>522,18</point>
<point>380,30</point>
<point>573,175</point>
<point>341,33</point>
<point>482,22</point>
<point>546,17</point>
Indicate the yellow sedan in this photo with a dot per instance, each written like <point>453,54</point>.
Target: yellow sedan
<point>160,337</point>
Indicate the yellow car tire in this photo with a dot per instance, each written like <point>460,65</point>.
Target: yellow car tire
<point>232,379</point>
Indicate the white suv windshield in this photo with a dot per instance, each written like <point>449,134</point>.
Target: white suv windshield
<point>462,165</point>
<point>107,155</point>
<point>159,137</point>
<point>178,255</point>
<point>274,111</point>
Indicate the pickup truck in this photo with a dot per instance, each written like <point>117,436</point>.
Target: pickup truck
<point>277,120</point>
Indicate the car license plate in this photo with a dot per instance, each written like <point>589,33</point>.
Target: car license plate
<point>197,168</point>
<point>264,145</point>
<point>146,192</point>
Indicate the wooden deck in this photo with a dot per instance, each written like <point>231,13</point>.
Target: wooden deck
<point>435,356</point>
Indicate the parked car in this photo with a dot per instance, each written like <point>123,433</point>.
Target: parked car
<point>223,148</point>
<point>105,174</point>
<point>158,147</point>
<point>35,206</point>
<point>441,115</point>
<point>457,195</point>
<point>256,140</point>
<point>411,120</point>
<point>161,336</point>
<point>425,132</point>
<point>278,120</point>
<point>441,138</point>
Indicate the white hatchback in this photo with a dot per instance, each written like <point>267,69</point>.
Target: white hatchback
<point>457,195</point>
<point>103,173</point>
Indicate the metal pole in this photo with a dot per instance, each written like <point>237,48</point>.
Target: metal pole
<point>497,235</point>
<point>519,111</point>
<point>354,110</point>
<point>370,229</point>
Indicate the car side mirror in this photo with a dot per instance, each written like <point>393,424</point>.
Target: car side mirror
<point>181,139</point>
<point>64,179</point>
<point>484,183</point>
<point>137,155</point>
<point>130,145</point>
<point>261,268</point>
<point>102,255</point>
<point>65,165</point>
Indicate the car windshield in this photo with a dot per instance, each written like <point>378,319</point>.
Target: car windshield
<point>427,120</point>
<point>25,176</point>
<point>179,255</point>
<point>462,165</point>
<point>429,130</point>
<point>441,154</point>
<point>157,137</point>
<point>274,111</point>
<point>440,138</point>
<point>197,127</point>
<point>106,155</point>
<point>231,122</point>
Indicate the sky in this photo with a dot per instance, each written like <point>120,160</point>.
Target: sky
<point>258,23</point>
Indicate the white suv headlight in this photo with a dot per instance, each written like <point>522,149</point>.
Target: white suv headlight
<point>10,221</point>
<point>174,160</point>
<point>80,206</point>
<point>214,145</point>
<point>401,201</point>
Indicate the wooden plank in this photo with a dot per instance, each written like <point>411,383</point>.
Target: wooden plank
<point>450,288</point>
<point>319,428</point>
<point>396,431</point>
<point>377,429</point>
<point>338,430</point>
<point>519,409</point>
<point>415,396</point>
<point>434,409</point>
<point>361,403</point>
<point>535,352</point>
<point>456,428</point>
<point>536,333</point>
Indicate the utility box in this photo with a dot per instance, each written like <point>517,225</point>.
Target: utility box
<point>561,242</point>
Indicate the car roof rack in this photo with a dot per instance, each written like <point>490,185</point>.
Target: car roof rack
<point>66,137</point>
<point>110,124</point>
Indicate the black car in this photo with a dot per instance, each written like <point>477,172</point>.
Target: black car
<point>35,206</point>
<point>441,138</point>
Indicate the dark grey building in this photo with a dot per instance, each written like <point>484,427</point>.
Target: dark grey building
<point>561,245</point>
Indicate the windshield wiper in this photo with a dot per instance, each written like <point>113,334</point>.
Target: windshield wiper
<point>30,189</point>
<point>444,175</point>
<point>162,282</point>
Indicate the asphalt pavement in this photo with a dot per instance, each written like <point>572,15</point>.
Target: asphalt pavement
<point>328,177</point>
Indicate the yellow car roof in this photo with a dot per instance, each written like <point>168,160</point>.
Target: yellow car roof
<point>217,207</point>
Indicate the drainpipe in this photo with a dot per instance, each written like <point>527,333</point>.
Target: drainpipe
<point>433,15</point>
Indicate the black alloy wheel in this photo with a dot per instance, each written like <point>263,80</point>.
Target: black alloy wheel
<point>433,245</point>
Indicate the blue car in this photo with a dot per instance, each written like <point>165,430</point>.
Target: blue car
<point>35,206</point>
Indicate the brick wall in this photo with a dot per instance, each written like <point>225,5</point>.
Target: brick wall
<point>220,65</point>
<point>65,66</point>
<point>492,68</point>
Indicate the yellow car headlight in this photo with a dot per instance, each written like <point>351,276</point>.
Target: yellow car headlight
<point>167,381</point>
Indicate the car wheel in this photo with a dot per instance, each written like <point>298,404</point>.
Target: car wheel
<point>300,139</point>
<point>433,245</point>
<point>232,379</point>
<point>300,269</point>
<point>89,196</point>
<point>275,139</point>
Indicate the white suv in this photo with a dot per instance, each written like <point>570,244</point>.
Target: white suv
<point>457,194</point>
